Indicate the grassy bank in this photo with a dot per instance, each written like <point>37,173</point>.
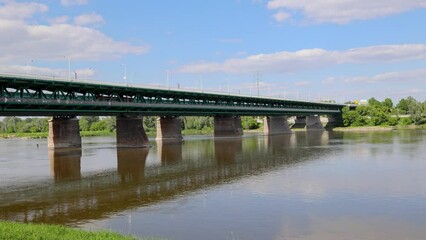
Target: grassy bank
<point>18,231</point>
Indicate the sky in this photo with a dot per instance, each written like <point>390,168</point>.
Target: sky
<point>342,50</point>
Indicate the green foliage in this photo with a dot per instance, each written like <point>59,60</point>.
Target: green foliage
<point>388,104</point>
<point>378,113</point>
<point>19,231</point>
<point>374,102</point>
<point>14,125</point>
<point>86,122</point>
<point>249,123</point>
<point>405,121</point>
<point>197,123</point>
<point>402,106</point>
<point>98,126</point>
<point>393,121</point>
<point>149,123</point>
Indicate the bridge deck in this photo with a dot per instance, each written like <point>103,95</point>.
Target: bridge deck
<point>44,96</point>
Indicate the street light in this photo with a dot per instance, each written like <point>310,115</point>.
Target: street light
<point>200,78</point>
<point>168,79</point>
<point>69,67</point>
<point>125,73</point>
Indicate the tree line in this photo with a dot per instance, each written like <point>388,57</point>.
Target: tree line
<point>376,113</point>
<point>107,124</point>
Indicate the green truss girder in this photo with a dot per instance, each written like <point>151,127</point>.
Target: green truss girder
<point>42,96</point>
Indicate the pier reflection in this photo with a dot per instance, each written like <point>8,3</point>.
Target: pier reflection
<point>65,164</point>
<point>227,150</point>
<point>131,164</point>
<point>170,152</point>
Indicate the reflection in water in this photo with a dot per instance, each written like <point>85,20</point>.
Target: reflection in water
<point>298,186</point>
<point>135,184</point>
<point>65,164</point>
<point>131,163</point>
<point>227,150</point>
<point>170,152</point>
<point>280,141</point>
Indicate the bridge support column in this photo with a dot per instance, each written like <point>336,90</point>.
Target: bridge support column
<point>64,132</point>
<point>275,125</point>
<point>130,132</point>
<point>169,128</point>
<point>299,122</point>
<point>227,126</point>
<point>332,122</point>
<point>314,123</point>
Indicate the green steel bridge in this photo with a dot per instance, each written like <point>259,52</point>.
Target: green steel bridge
<point>50,96</point>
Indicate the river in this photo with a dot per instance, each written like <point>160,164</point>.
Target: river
<point>308,185</point>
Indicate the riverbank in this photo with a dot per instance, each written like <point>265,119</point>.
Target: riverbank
<point>379,128</point>
<point>45,134</point>
<point>18,231</point>
<point>210,131</point>
<point>97,134</point>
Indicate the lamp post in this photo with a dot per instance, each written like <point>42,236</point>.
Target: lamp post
<point>168,78</point>
<point>124,73</point>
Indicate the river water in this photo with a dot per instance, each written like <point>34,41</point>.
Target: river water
<point>315,185</point>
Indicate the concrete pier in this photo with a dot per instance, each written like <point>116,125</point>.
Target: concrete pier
<point>332,122</point>
<point>313,123</point>
<point>227,126</point>
<point>64,132</point>
<point>169,128</point>
<point>130,132</point>
<point>299,122</point>
<point>274,125</point>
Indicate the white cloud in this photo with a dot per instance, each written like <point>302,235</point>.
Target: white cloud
<point>22,40</point>
<point>302,83</point>
<point>406,76</point>
<point>282,62</point>
<point>73,2</point>
<point>82,74</point>
<point>59,20</point>
<point>10,10</point>
<point>281,16</point>
<point>344,11</point>
<point>88,19</point>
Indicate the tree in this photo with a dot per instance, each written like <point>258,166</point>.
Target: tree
<point>149,123</point>
<point>86,122</point>
<point>402,106</point>
<point>388,104</point>
<point>374,102</point>
<point>250,123</point>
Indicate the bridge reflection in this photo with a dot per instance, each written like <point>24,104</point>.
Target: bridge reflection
<point>185,167</point>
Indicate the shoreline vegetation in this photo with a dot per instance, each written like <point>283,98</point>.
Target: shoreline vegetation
<point>372,115</point>
<point>29,231</point>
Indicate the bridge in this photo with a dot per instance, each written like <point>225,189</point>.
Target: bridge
<point>64,99</point>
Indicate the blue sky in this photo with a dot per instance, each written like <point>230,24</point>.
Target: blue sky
<point>342,50</point>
